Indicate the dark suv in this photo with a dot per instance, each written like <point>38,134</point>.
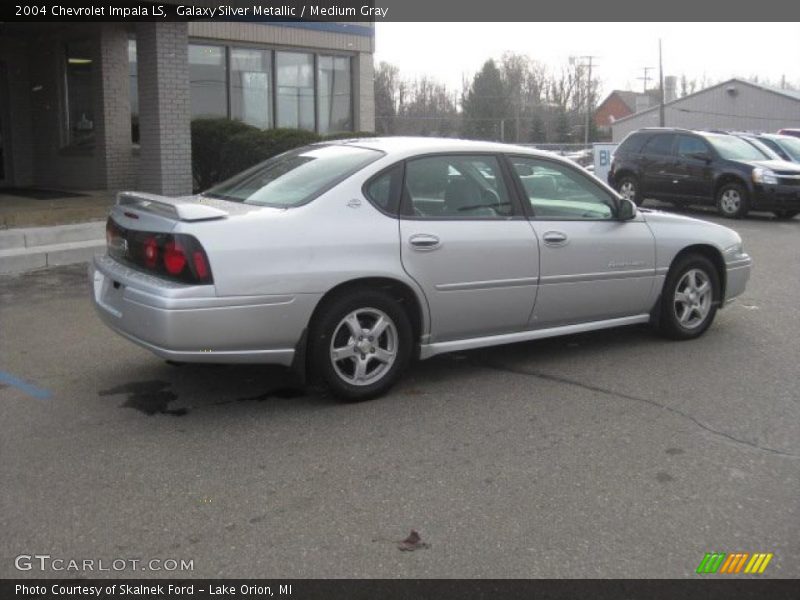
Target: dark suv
<point>698,167</point>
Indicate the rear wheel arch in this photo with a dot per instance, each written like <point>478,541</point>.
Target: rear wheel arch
<point>399,290</point>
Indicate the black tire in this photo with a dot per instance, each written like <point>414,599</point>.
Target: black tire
<point>785,215</point>
<point>670,323</point>
<point>330,322</point>
<point>733,201</point>
<point>628,187</point>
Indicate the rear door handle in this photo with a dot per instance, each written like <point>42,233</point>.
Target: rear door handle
<point>555,238</point>
<point>424,241</point>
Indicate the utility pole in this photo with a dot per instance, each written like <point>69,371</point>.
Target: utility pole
<point>646,77</point>
<point>661,120</point>
<point>589,64</point>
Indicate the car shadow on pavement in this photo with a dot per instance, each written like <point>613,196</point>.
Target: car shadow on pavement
<point>177,390</point>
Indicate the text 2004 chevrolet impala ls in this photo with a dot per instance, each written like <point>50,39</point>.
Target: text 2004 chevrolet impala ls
<point>352,257</point>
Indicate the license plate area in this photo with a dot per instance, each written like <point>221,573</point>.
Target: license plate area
<point>109,294</point>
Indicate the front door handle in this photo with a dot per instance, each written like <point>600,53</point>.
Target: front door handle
<point>555,238</point>
<point>424,241</point>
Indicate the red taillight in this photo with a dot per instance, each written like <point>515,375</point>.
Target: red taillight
<point>200,264</point>
<point>150,252</point>
<point>174,257</point>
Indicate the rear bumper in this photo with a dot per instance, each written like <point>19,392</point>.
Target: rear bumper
<point>737,276</point>
<point>191,324</point>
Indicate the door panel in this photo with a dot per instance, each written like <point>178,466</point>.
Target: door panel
<point>601,270</point>
<point>479,277</point>
<point>657,159</point>
<point>592,266</point>
<point>466,243</point>
<point>691,177</point>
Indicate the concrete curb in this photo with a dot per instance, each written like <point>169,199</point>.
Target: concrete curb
<point>32,248</point>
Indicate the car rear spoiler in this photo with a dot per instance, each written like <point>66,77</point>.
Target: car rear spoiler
<point>188,208</point>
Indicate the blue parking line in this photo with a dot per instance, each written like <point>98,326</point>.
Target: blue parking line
<point>24,386</point>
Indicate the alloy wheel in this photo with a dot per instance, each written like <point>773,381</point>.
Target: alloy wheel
<point>730,201</point>
<point>693,298</point>
<point>364,346</point>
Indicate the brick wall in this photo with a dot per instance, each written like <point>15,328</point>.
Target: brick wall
<point>164,108</point>
<point>114,147</point>
<point>612,107</point>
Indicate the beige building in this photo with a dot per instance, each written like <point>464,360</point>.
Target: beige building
<point>109,105</point>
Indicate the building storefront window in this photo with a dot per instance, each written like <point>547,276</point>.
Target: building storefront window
<point>335,102</point>
<point>271,88</point>
<point>80,105</point>
<point>207,81</point>
<point>251,89</point>
<point>295,83</point>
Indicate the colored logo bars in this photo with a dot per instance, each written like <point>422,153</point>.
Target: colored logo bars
<point>736,562</point>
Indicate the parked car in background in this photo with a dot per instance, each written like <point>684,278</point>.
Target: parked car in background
<point>352,257</point>
<point>791,132</point>
<point>699,167</point>
<point>785,147</point>
<point>754,140</point>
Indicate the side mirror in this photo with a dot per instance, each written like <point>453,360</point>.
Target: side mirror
<point>626,210</point>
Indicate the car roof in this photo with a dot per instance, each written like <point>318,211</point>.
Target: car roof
<point>406,145</point>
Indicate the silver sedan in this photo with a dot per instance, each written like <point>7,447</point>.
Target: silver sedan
<point>348,259</point>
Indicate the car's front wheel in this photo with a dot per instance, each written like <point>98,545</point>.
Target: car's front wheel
<point>690,298</point>
<point>628,188</point>
<point>732,201</point>
<point>360,344</point>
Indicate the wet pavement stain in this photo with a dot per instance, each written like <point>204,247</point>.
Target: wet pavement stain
<point>674,451</point>
<point>148,397</point>
<point>663,477</point>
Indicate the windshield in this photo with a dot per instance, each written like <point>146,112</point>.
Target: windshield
<point>734,148</point>
<point>790,145</point>
<point>294,177</point>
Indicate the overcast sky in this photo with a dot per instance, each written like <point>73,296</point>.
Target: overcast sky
<point>448,51</point>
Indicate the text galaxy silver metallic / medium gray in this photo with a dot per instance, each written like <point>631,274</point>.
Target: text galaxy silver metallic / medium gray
<point>348,259</point>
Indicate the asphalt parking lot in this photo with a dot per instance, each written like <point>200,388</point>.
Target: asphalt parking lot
<point>614,454</point>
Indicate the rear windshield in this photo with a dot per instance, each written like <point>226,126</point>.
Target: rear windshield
<point>294,177</point>
<point>734,148</point>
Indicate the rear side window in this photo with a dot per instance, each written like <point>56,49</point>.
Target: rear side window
<point>660,144</point>
<point>383,190</point>
<point>456,187</point>
<point>632,144</point>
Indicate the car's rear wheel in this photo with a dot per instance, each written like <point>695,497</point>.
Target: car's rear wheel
<point>360,345</point>
<point>628,188</point>
<point>732,200</point>
<point>786,214</point>
<point>690,298</point>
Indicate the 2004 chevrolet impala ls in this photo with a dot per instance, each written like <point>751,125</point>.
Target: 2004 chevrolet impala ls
<point>352,257</point>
